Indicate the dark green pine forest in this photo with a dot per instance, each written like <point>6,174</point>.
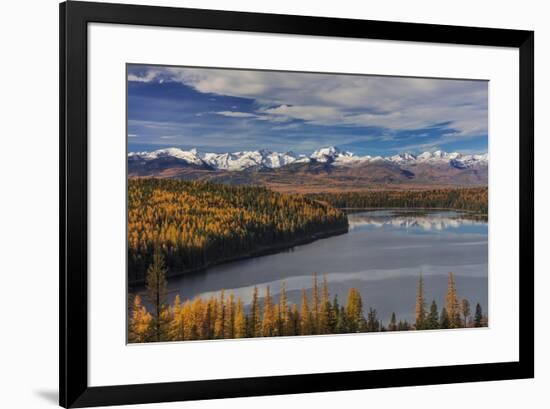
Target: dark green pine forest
<point>473,199</point>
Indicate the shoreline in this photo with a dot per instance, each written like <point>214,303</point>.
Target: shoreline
<point>265,251</point>
<point>360,209</point>
<point>257,253</point>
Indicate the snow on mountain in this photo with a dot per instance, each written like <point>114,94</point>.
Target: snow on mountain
<point>190,156</point>
<point>248,159</point>
<point>236,161</point>
<point>331,154</point>
<point>403,158</point>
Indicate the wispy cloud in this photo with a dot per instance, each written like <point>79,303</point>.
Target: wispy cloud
<point>302,110</point>
<point>236,114</point>
<point>390,102</point>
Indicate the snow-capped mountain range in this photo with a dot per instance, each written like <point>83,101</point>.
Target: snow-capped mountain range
<point>332,155</point>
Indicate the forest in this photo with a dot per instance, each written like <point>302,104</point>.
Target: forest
<point>197,224</point>
<point>225,316</point>
<point>473,199</point>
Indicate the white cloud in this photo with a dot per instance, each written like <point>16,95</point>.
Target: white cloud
<point>236,114</point>
<point>391,102</point>
<point>149,76</point>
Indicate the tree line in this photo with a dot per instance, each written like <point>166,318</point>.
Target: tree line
<point>196,224</point>
<point>225,317</point>
<point>456,313</point>
<point>472,199</point>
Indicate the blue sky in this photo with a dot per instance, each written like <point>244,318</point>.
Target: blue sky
<point>221,110</point>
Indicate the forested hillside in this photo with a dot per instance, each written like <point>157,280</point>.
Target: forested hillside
<point>473,199</point>
<point>196,224</point>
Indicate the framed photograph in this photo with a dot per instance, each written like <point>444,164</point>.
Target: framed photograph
<point>257,204</point>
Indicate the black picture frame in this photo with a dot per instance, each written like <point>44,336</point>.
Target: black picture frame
<point>73,375</point>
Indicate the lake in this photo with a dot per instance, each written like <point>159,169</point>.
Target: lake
<point>382,255</point>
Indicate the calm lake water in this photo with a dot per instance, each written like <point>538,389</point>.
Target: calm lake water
<point>382,255</point>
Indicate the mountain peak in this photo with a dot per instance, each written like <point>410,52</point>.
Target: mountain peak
<point>264,158</point>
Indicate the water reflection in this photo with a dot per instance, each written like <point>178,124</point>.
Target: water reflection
<point>382,255</point>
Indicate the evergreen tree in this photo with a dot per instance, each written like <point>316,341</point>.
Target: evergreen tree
<point>315,305</point>
<point>393,323</point>
<point>373,325</point>
<point>465,308</point>
<point>176,328</point>
<point>240,320</point>
<point>478,317</point>
<point>333,315</point>
<point>306,320</point>
<point>255,322</point>
<point>219,323</point>
<point>195,316</point>
<point>268,322</point>
<point>294,321</point>
<point>342,325</point>
<point>354,311</point>
<point>420,310</point>
<point>229,318</point>
<point>207,327</point>
<point>156,293</point>
<point>433,317</point>
<point>452,305</point>
<point>140,323</point>
<point>444,322</point>
<point>403,326</point>
<point>325,309</point>
<point>189,326</point>
<point>284,313</point>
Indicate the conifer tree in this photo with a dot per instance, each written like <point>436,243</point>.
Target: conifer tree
<point>333,314</point>
<point>342,325</point>
<point>220,317</point>
<point>255,321</point>
<point>176,327</point>
<point>325,309</point>
<point>195,316</point>
<point>420,310</point>
<point>478,317</point>
<point>393,323</point>
<point>373,325</point>
<point>268,321</point>
<point>207,324</point>
<point>465,308</point>
<point>156,293</point>
<point>306,321</point>
<point>240,320</point>
<point>433,317</point>
<point>354,311</point>
<point>188,321</point>
<point>294,321</point>
<point>452,306</point>
<point>403,326</point>
<point>315,305</point>
<point>284,318</point>
<point>444,319</point>
<point>277,323</point>
<point>229,318</point>
<point>140,323</point>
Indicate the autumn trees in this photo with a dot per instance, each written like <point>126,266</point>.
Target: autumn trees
<point>267,314</point>
<point>455,313</point>
<point>195,224</point>
<point>473,199</point>
<point>224,316</point>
